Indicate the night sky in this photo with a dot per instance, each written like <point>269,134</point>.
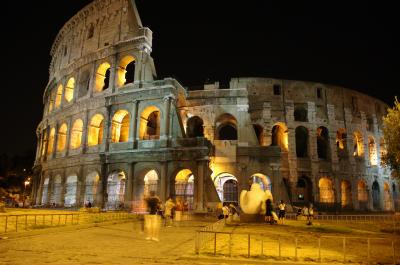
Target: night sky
<point>194,41</point>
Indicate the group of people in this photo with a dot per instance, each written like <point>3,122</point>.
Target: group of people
<point>307,212</point>
<point>270,215</point>
<point>228,210</point>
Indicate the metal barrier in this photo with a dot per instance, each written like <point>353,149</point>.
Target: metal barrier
<point>24,222</point>
<point>350,218</point>
<point>308,248</point>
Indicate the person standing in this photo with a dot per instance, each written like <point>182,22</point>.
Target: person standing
<point>282,211</point>
<point>310,215</point>
<point>152,220</point>
<point>169,205</point>
<point>225,212</point>
<point>268,211</point>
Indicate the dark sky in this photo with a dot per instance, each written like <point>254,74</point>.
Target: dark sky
<point>349,45</point>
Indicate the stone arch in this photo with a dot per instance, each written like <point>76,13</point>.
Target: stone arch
<point>120,126</point>
<point>195,127</point>
<point>301,141</point>
<point>358,144</point>
<point>227,187</point>
<point>116,189</point>
<point>71,185</point>
<point>126,71</point>
<point>382,147</point>
<point>102,77</point>
<point>150,183</point>
<point>45,191</point>
<point>76,134</point>
<point>280,136</point>
<point>91,187</point>
<point>341,142</point>
<point>62,137</point>
<point>323,142</point>
<point>376,200</point>
<point>58,99</point>
<point>96,128</point>
<point>373,158</point>
<point>362,195</point>
<point>263,180</point>
<point>69,90</point>
<point>300,113</point>
<point>387,198</point>
<point>304,189</point>
<point>57,188</point>
<point>51,141</point>
<point>226,127</point>
<point>184,187</point>
<point>346,196</point>
<point>150,123</point>
<point>326,190</point>
<point>259,131</point>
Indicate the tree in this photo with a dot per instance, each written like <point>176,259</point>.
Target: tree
<point>391,133</point>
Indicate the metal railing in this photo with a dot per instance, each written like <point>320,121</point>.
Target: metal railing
<point>25,222</point>
<point>370,218</point>
<point>315,248</point>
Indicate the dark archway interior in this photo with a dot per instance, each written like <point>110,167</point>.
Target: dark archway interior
<point>258,129</point>
<point>323,143</point>
<point>301,142</point>
<point>130,73</point>
<point>107,79</point>
<point>194,127</point>
<point>152,123</point>
<point>230,191</point>
<point>227,132</point>
<point>300,114</point>
<point>375,195</point>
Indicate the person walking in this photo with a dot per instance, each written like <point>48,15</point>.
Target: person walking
<point>282,211</point>
<point>169,206</point>
<point>152,220</point>
<point>310,214</point>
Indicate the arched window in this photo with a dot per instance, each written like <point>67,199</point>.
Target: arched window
<point>44,143</point>
<point>227,187</point>
<point>226,125</point>
<point>194,127</point>
<point>70,191</point>
<point>102,77</point>
<point>45,191</point>
<point>322,142</point>
<point>259,131</point>
<point>126,71</point>
<point>304,189</point>
<point>84,82</point>
<point>326,192</point>
<point>346,194</point>
<point>280,136</point>
<point>382,146</point>
<point>341,142</point>
<point>52,96</point>
<point>76,134</point>
<point>120,126</point>
<point>56,194</point>
<point>96,128</point>
<point>263,180</point>
<point>362,195</point>
<point>376,196</point>
<point>62,137</point>
<point>358,144</point>
<point>57,102</point>
<point>300,113</point>
<point>69,89</point>
<point>184,181</point>
<point>373,158</point>
<point>150,123</point>
<point>150,183</point>
<point>116,189</point>
<point>51,141</point>
<point>301,141</point>
<point>91,184</point>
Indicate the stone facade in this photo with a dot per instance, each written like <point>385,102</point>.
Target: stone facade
<point>111,132</point>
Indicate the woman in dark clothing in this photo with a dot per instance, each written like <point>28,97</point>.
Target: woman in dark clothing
<point>268,211</point>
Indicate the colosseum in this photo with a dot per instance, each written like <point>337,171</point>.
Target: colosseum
<point>112,132</point>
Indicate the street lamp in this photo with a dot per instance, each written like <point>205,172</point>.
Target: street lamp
<point>26,183</point>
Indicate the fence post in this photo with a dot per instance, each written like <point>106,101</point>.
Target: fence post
<point>319,249</point>
<point>196,244</point>
<point>248,245</point>
<point>368,249</point>
<point>215,243</point>
<point>66,219</point>
<point>344,250</point>
<point>295,248</point>
<point>35,219</point>
<point>5,228</point>
<point>72,219</point>
<point>394,253</point>
<point>262,248</point>
<point>43,219</point>
<point>279,246</point>
<point>230,245</point>
<point>59,219</point>
<point>26,222</point>
<point>16,223</point>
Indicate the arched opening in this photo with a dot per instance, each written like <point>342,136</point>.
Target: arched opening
<point>376,196</point>
<point>326,191</point>
<point>70,191</point>
<point>102,77</point>
<point>56,198</point>
<point>57,102</point>
<point>120,126</point>
<point>346,194</point>
<point>300,113</point>
<point>259,131</point>
<point>126,71</point>
<point>301,141</point>
<point>341,143</point>
<point>69,89</point>
<point>280,136</point>
<point>96,128</point>
<point>91,184</point>
<point>227,187</point>
<point>304,190</point>
<point>358,145</point>
<point>76,134</point>
<point>387,198</point>
<point>62,137</point>
<point>51,101</point>
<point>382,146</point>
<point>373,158</point>
<point>362,195</point>
<point>194,127</point>
<point>116,190</point>
<point>45,191</point>
<point>226,125</point>
<point>263,180</point>
<point>150,123</point>
<point>150,183</point>
<point>322,142</point>
<point>184,187</point>
<point>84,82</point>
<point>51,141</point>
<point>44,143</point>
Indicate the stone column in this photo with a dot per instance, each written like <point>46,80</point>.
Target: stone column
<point>85,132</point>
<point>165,130</point>
<point>199,206</point>
<point>133,122</point>
<point>164,181</point>
<point>108,128</point>
<point>129,188</point>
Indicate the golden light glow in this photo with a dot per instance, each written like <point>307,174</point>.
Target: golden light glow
<point>120,126</point>
<point>387,200</point>
<point>183,175</point>
<point>150,182</point>
<point>358,144</point>
<point>62,137</point>
<point>373,156</point>
<point>51,141</point>
<point>69,89</point>
<point>280,136</point>
<point>101,76</point>
<point>326,192</point>
<point>76,134</point>
<point>121,73</point>
<point>150,123</point>
<point>341,138</point>
<point>346,193</point>
<point>362,195</point>
<point>57,102</point>
<point>96,127</point>
<point>44,143</point>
